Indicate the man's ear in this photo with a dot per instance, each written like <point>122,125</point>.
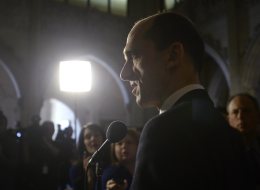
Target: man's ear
<point>175,54</point>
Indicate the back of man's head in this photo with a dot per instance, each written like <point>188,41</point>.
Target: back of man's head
<point>172,27</point>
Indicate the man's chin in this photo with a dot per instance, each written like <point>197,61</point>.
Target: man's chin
<point>144,104</point>
<point>140,103</point>
<point>241,129</point>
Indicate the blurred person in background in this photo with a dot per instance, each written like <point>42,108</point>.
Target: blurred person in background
<point>90,139</point>
<point>118,176</point>
<point>244,116</point>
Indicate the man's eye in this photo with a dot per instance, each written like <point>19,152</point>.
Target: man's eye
<point>135,56</point>
<point>235,112</point>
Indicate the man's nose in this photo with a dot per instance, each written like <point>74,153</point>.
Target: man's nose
<point>240,114</point>
<point>126,73</point>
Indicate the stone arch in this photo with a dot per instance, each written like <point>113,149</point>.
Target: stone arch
<point>11,77</point>
<point>215,77</point>
<point>60,113</point>
<point>220,62</point>
<point>9,95</point>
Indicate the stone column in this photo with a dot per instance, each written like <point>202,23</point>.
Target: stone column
<point>32,93</point>
<point>238,32</point>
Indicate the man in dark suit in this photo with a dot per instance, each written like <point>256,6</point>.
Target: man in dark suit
<point>243,114</point>
<point>189,144</point>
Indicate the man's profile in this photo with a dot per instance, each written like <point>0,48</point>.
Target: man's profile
<point>189,144</point>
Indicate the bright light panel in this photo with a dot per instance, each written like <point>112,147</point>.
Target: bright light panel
<point>75,76</point>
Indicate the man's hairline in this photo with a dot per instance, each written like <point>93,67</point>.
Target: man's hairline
<point>245,95</point>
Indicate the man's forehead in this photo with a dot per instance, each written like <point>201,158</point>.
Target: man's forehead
<point>135,36</point>
<point>140,28</point>
<point>241,102</point>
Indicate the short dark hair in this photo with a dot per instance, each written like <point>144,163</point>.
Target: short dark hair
<point>172,27</point>
<point>247,95</point>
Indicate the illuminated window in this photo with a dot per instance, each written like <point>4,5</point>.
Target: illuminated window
<point>101,5</point>
<point>81,3</point>
<point>58,112</point>
<point>119,7</point>
<point>169,4</point>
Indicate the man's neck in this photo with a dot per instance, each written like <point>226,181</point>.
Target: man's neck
<point>174,97</point>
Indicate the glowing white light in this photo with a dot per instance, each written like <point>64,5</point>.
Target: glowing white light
<point>75,76</point>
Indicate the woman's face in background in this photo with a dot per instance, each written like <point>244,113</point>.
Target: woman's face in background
<point>92,140</point>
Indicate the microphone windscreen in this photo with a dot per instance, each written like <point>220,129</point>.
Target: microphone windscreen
<point>116,131</point>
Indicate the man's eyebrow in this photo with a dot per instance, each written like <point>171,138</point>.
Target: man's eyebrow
<point>130,51</point>
<point>127,52</point>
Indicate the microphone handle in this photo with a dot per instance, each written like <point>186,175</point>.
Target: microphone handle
<point>96,154</point>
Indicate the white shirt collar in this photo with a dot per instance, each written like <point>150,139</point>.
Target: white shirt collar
<point>172,99</point>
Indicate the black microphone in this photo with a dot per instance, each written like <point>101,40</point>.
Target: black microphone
<point>116,131</point>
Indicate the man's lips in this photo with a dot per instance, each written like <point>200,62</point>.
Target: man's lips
<point>134,90</point>
<point>241,125</point>
<point>134,87</point>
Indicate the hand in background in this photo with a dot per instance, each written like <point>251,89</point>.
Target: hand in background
<point>112,185</point>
